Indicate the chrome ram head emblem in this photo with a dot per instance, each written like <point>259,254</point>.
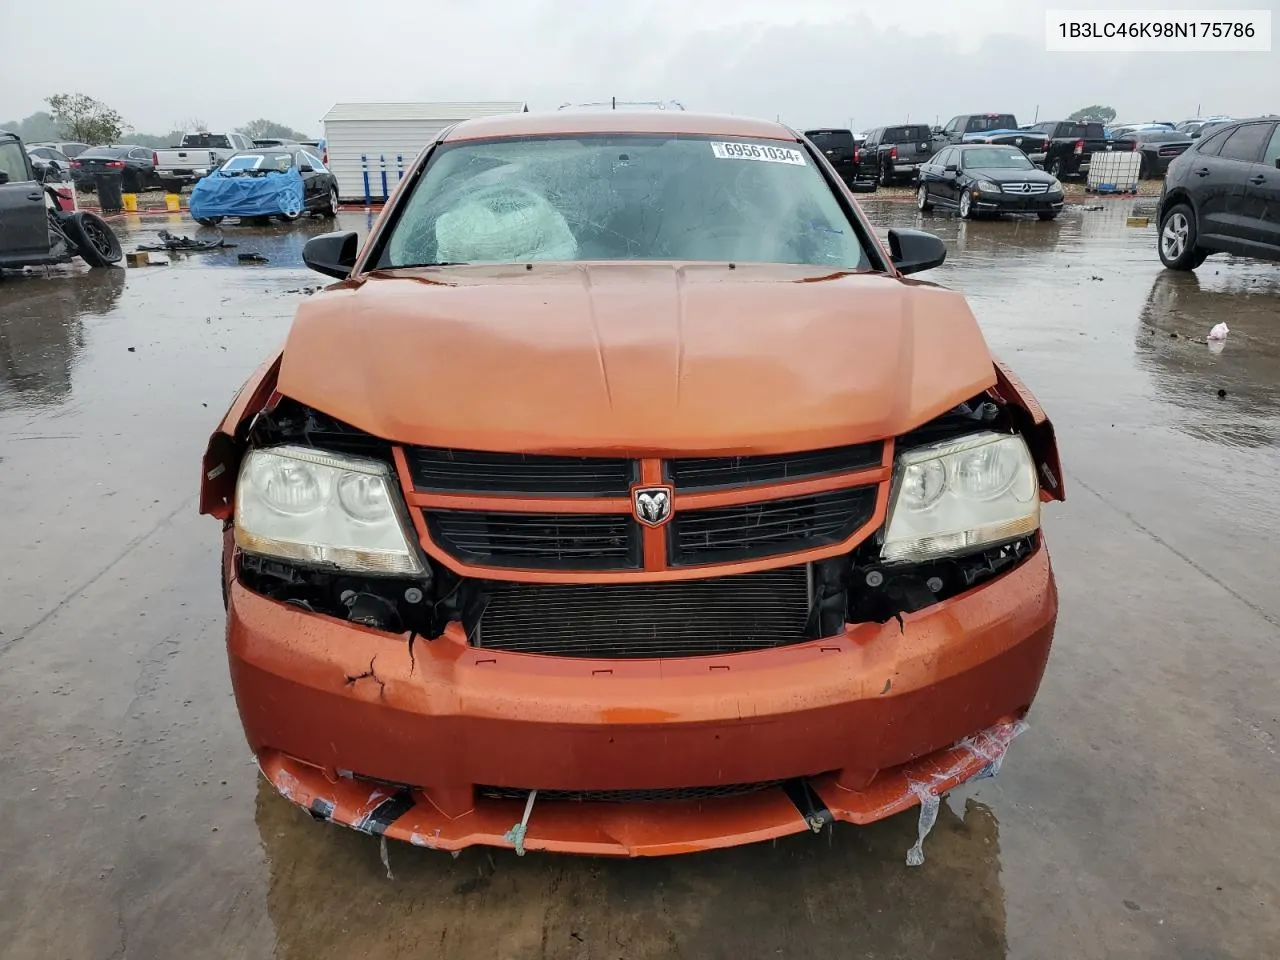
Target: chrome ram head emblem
<point>652,505</point>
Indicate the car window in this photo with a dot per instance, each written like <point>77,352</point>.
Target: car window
<point>13,161</point>
<point>1272,153</point>
<point>945,157</point>
<point>840,142</point>
<point>315,162</point>
<point>952,125</point>
<point>909,134</point>
<point>209,141</point>
<point>1211,145</point>
<point>140,154</point>
<point>995,158</point>
<point>622,197</point>
<point>1245,143</point>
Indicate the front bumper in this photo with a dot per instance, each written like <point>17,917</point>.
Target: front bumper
<point>1013,203</point>
<point>361,729</point>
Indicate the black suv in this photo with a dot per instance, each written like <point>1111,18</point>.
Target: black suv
<point>844,153</point>
<point>895,153</point>
<point>1221,196</point>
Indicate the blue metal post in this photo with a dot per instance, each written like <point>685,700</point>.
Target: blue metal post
<point>364,167</point>
<point>382,159</point>
<point>399,167</point>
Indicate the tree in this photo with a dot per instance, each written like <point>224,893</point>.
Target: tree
<point>39,126</point>
<point>84,119</point>
<point>1094,114</point>
<point>263,129</point>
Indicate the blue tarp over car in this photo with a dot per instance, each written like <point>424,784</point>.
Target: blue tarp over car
<point>247,195</point>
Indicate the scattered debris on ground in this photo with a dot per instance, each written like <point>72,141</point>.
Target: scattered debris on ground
<point>169,242</point>
<point>251,258</point>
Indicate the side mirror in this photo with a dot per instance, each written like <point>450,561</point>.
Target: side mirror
<point>951,168</point>
<point>306,168</point>
<point>4,178</point>
<point>936,131</point>
<point>1278,163</point>
<point>333,254</point>
<point>914,250</point>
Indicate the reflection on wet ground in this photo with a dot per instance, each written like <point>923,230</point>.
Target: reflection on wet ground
<point>1132,820</point>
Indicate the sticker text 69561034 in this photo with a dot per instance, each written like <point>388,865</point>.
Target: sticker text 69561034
<point>755,151</point>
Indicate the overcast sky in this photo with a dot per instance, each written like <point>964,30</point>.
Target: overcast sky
<point>812,62</point>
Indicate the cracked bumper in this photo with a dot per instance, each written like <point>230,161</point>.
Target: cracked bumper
<point>329,708</point>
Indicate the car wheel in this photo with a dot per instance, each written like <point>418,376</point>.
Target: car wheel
<point>1055,169</point>
<point>966,206</point>
<point>208,221</point>
<point>1144,168</point>
<point>171,186</point>
<point>289,217</point>
<point>332,210</point>
<point>96,243</point>
<point>1177,242</point>
<point>886,178</point>
<point>1048,215</point>
<point>923,204</point>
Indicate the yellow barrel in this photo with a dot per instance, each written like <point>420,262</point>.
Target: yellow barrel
<point>173,202</point>
<point>130,202</point>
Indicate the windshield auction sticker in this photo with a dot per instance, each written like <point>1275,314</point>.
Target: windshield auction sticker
<point>1169,31</point>
<point>754,151</point>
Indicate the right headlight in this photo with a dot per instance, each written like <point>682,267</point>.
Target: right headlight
<point>986,186</point>
<point>960,495</point>
<point>325,509</point>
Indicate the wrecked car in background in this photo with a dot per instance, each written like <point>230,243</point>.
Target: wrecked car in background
<point>624,499</point>
<point>34,230</point>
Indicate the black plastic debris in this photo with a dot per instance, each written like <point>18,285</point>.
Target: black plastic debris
<point>251,258</point>
<point>169,242</point>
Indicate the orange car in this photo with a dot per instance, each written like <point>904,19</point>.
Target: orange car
<point>623,498</point>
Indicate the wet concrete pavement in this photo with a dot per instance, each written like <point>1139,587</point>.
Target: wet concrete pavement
<point>1136,818</point>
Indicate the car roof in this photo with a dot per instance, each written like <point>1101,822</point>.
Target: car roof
<point>617,121</point>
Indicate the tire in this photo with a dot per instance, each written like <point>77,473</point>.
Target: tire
<point>886,178</point>
<point>1048,215</point>
<point>966,206</point>
<point>96,243</point>
<point>332,209</point>
<point>1144,168</point>
<point>208,221</point>
<point>289,217</point>
<point>171,186</point>
<point>1055,168</point>
<point>1177,239</point>
<point>923,203</point>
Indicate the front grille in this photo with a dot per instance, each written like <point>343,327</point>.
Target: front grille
<point>751,530</point>
<point>706,473</point>
<point>668,795</point>
<point>1025,189</point>
<point>689,618</point>
<point>538,541</point>
<point>474,471</point>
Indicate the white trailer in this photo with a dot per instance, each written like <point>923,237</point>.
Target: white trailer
<point>378,137</point>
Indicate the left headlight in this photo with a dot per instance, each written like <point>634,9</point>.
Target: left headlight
<point>296,503</point>
<point>986,186</point>
<point>960,495</point>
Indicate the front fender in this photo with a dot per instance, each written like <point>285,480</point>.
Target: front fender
<point>226,446</point>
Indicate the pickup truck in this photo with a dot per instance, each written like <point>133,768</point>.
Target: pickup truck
<point>198,155</point>
<point>1071,144</point>
<point>891,154</point>
<point>999,128</point>
<point>844,153</point>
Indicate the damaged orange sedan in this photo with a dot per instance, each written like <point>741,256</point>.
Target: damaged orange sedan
<point>624,498</point>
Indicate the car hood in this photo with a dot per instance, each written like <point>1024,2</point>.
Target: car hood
<point>634,358</point>
<point>1002,175</point>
